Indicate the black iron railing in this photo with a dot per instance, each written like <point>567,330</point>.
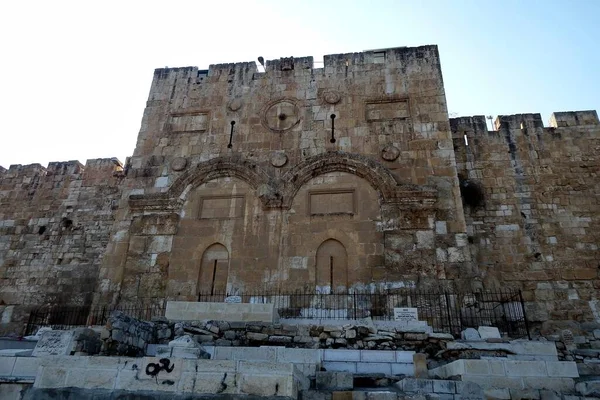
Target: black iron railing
<point>66,317</point>
<point>444,311</point>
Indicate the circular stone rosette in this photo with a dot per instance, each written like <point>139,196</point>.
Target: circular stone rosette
<point>390,152</point>
<point>235,104</point>
<point>281,115</point>
<point>331,97</point>
<point>278,159</point>
<point>179,164</point>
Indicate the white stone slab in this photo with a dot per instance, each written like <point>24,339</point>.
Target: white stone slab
<point>563,369</point>
<point>406,315</point>
<point>26,367</point>
<point>489,332</point>
<point>403,369</point>
<point>340,366</point>
<point>54,343</point>
<point>374,368</point>
<point>16,352</point>
<point>470,334</point>
<point>404,356</point>
<point>6,365</point>
<point>377,356</point>
<point>232,312</point>
<point>341,355</point>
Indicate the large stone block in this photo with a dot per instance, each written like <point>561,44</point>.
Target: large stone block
<point>564,369</point>
<point>348,366</point>
<point>495,382</point>
<point>374,368</point>
<point>547,383</point>
<point>330,380</point>
<point>215,383</point>
<point>341,355</point>
<point>6,365</point>
<point>201,311</point>
<point>412,385</point>
<point>54,343</point>
<point>268,385</point>
<point>526,368</point>
<point>25,366</point>
<point>220,366</point>
<point>298,356</point>
<point>49,377</point>
<point>403,369</point>
<point>377,356</point>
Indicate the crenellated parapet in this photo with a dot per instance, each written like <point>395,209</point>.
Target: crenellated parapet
<point>106,166</point>
<point>563,119</point>
<point>574,118</point>
<point>298,66</point>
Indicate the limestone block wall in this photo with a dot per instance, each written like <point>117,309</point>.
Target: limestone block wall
<point>263,188</point>
<point>54,227</point>
<point>185,376</point>
<point>301,178</point>
<point>534,202</point>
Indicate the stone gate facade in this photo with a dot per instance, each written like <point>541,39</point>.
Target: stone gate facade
<point>345,177</point>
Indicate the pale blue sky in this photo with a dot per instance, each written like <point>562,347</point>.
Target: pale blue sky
<point>75,75</point>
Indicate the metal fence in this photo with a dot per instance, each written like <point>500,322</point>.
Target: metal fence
<point>62,317</point>
<point>444,311</point>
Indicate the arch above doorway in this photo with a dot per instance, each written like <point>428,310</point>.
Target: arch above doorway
<point>214,270</point>
<point>331,266</point>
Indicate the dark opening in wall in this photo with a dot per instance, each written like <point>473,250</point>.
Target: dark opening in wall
<point>66,223</point>
<point>42,230</point>
<point>471,192</point>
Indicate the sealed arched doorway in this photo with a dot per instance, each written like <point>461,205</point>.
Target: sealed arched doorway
<point>214,270</point>
<point>332,266</point>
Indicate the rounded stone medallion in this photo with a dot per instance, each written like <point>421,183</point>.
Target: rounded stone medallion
<point>331,97</point>
<point>179,164</point>
<point>235,104</point>
<point>390,152</point>
<point>281,116</point>
<point>278,159</point>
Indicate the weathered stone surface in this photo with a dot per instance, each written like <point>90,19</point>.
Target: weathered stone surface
<point>470,334</point>
<point>327,380</point>
<point>192,212</point>
<point>471,391</point>
<point>420,362</point>
<point>488,332</point>
<point>54,343</point>
<point>184,341</point>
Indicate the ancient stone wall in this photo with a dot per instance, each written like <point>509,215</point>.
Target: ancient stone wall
<point>532,208</point>
<point>296,177</point>
<point>54,227</point>
<point>325,179</point>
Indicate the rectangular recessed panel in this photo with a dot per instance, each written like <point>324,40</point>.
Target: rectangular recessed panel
<point>222,207</point>
<point>334,202</point>
<point>386,111</point>
<point>189,122</point>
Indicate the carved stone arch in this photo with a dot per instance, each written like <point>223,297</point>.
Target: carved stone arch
<point>220,167</point>
<point>235,167</point>
<point>334,161</point>
<point>331,266</point>
<point>214,270</point>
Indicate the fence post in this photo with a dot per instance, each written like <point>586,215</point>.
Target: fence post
<point>30,322</point>
<point>448,311</point>
<point>524,315</point>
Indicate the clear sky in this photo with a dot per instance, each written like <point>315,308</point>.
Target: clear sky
<point>75,75</point>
